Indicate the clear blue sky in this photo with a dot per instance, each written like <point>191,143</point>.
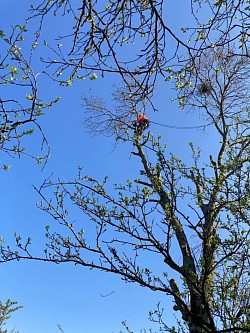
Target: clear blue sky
<point>65,294</point>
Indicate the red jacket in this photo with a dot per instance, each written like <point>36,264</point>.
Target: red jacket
<point>140,118</point>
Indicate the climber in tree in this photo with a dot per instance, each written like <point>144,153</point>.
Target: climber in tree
<point>141,124</point>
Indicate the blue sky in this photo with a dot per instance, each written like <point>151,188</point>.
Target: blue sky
<point>65,294</point>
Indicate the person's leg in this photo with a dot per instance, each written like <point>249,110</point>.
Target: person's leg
<point>145,125</point>
<point>140,128</point>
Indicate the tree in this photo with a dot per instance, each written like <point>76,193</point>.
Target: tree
<point>96,34</point>
<point>146,217</point>
<point>20,106</point>
<point>192,218</point>
<point>5,312</point>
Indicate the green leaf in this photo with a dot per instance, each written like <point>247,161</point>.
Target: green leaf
<point>30,97</point>
<point>93,77</point>
<point>23,28</point>
<point>14,70</point>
